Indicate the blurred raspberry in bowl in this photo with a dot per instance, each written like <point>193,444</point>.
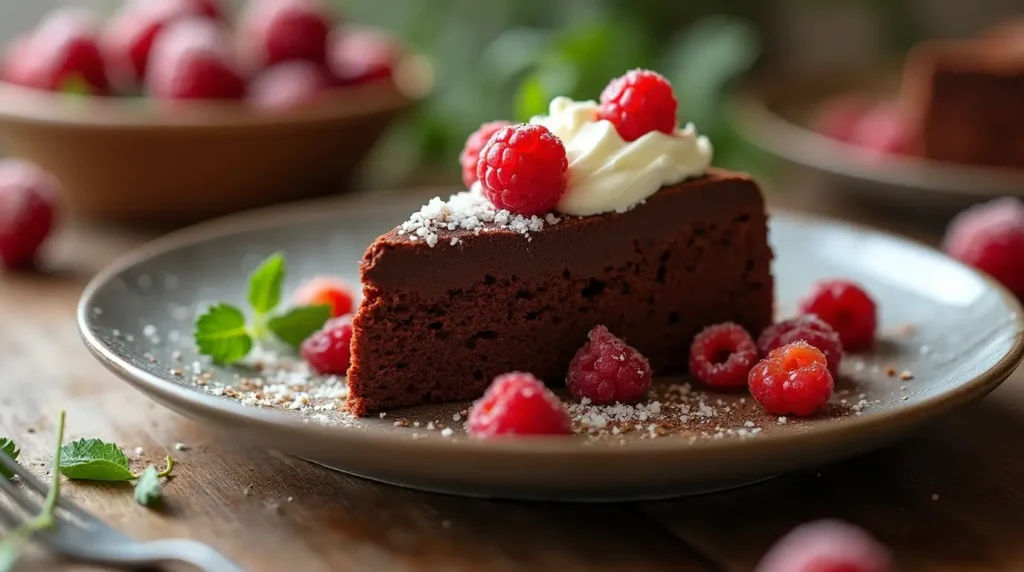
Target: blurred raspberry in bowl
<point>157,116</point>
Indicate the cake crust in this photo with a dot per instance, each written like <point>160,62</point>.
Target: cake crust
<point>438,323</point>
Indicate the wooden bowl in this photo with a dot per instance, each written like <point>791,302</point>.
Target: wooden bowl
<point>775,114</point>
<point>137,160</point>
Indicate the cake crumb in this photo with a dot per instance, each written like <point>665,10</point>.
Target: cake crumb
<point>783,420</point>
<point>447,432</point>
<point>890,370</point>
<point>179,446</point>
<point>935,496</point>
<point>383,414</point>
<point>906,375</point>
<point>139,451</point>
<point>457,417</point>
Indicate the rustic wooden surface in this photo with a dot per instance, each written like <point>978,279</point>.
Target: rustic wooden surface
<point>948,499</point>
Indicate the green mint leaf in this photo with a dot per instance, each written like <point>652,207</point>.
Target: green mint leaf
<point>295,325</point>
<point>76,86</point>
<point>265,284</point>
<point>95,460</point>
<point>147,490</point>
<point>8,446</point>
<point>11,545</point>
<point>221,334</point>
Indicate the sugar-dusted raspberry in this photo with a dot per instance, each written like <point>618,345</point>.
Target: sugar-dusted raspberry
<point>883,129</point>
<point>522,169</point>
<point>517,403</point>
<point>846,307</point>
<point>637,103</point>
<point>28,205</point>
<point>826,546</point>
<point>62,53</point>
<point>275,31</point>
<point>128,38</point>
<point>288,86</point>
<point>806,328</point>
<point>470,155</point>
<point>328,351</point>
<point>191,60</point>
<point>990,237</point>
<point>606,370</point>
<point>793,379</point>
<point>722,355</point>
<point>839,117</point>
<point>362,55</point>
<point>209,8</point>
<point>327,291</point>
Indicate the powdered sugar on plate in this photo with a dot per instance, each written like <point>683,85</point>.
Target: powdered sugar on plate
<point>467,211</point>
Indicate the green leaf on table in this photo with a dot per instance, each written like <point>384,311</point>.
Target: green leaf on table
<point>95,460</point>
<point>147,489</point>
<point>221,333</point>
<point>8,446</point>
<point>295,325</point>
<point>265,284</point>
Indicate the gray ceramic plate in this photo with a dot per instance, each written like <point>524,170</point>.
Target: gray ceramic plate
<point>955,331</point>
<point>775,115</point>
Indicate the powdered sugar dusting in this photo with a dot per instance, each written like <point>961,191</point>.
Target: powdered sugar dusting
<point>468,211</point>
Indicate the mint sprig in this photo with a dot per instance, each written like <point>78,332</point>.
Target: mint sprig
<point>10,546</point>
<point>97,460</point>
<point>224,334</point>
<point>8,446</point>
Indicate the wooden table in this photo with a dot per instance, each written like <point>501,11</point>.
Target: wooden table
<point>950,498</point>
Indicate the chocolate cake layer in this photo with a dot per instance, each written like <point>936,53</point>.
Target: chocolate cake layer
<point>965,100</point>
<point>439,323</point>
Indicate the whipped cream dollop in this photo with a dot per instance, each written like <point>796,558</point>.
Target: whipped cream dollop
<point>609,174</point>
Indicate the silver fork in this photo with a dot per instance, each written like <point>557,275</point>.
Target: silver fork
<point>79,536</point>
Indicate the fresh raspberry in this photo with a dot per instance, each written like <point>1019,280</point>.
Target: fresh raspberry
<point>474,144</point>
<point>606,370</point>
<point>63,52</point>
<point>522,169</point>
<point>990,237</point>
<point>826,546</point>
<point>274,31</point>
<point>28,205</point>
<point>637,103</point>
<point>129,36</point>
<point>793,379</point>
<point>806,328</point>
<point>884,129</point>
<point>518,404</point>
<point>839,117</point>
<point>722,355</point>
<point>847,308</point>
<point>328,351</point>
<point>326,291</point>
<point>288,86</point>
<point>362,55</point>
<point>191,60</point>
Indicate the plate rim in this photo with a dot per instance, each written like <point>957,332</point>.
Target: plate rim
<point>227,411</point>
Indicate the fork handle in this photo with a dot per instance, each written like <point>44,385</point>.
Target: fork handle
<point>191,552</point>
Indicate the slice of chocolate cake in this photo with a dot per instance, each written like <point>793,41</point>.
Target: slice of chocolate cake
<point>965,98</point>
<point>463,292</point>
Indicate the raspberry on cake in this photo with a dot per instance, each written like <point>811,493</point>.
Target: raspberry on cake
<point>646,239</point>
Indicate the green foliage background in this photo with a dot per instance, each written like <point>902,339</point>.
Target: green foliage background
<point>506,59</point>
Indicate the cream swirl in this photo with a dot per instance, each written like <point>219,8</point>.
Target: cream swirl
<point>609,174</point>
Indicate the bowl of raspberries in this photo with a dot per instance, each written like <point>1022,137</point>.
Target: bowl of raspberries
<point>172,111</point>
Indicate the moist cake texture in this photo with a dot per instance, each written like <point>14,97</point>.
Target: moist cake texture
<point>448,306</point>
